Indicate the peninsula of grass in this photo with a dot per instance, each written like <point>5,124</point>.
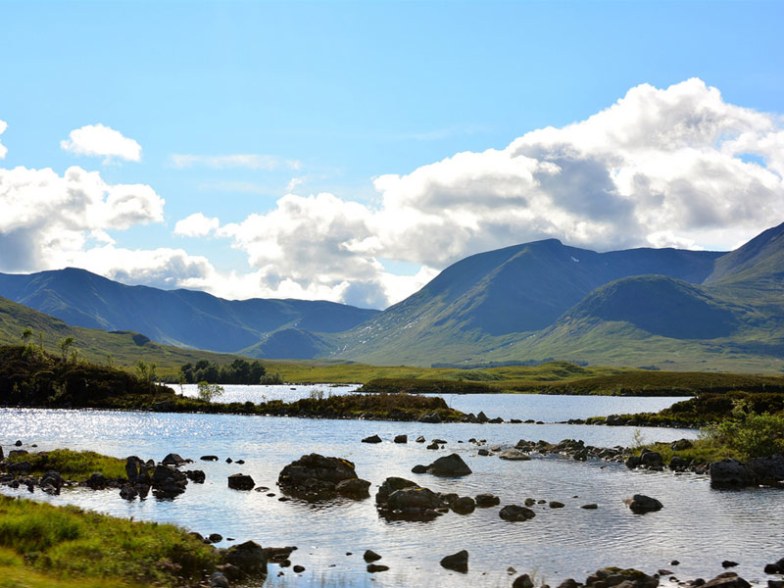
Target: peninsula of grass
<point>72,465</point>
<point>30,378</point>
<point>63,547</point>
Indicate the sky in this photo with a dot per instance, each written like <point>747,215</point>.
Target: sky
<point>349,151</point>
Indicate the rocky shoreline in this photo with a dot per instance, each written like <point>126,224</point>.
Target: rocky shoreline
<point>316,478</point>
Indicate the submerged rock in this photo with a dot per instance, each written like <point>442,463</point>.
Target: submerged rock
<point>248,557</point>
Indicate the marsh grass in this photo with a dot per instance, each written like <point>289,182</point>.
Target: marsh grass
<point>43,545</point>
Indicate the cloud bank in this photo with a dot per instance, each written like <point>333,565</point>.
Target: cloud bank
<point>677,166</point>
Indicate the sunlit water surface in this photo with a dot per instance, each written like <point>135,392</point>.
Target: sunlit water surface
<point>698,526</point>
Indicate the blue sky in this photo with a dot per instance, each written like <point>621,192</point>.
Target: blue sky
<point>350,150</point>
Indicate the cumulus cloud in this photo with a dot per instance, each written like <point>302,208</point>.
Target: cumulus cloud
<point>238,160</point>
<point>659,167</point>
<point>196,225</point>
<point>101,141</point>
<point>49,220</point>
<point>3,148</point>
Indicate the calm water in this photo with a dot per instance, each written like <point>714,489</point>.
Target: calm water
<point>698,526</point>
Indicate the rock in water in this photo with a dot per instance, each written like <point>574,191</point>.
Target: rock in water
<point>449,466</point>
<point>241,482</point>
<point>515,513</point>
<point>248,557</point>
<point>640,504</point>
<point>457,562</point>
<point>316,477</point>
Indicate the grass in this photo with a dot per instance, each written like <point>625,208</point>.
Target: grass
<point>43,545</point>
<point>74,465</point>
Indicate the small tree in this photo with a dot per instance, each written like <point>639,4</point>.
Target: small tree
<point>209,391</point>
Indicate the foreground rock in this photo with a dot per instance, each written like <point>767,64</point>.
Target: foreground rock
<point>449,466</point>
<point>760,471</point>
<point>401,499</point>
<point>315,477</point>
<point>241,482</point>
<point>457,562</point>
<point>249,558</point>
<point>516,513</point>
<point>640,504</point>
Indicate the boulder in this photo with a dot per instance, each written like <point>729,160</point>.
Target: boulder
<point>556,504</point>
<point>356,488</point>
<point>248,557</point>
<point>515,513</point>
<point>457,562</point>
<point>372,439</point>
<point>315,477</point>
<point>174,459</point>
<point>727,580</point>
<point>51,480</point>
<point>241,482</point>
<point>651,460</point>
<point>374,568</point>
<point>463,505</point>
<point>97,481</point>
<point>640,504</point>
<point>371,556</point>
<point>621,578</point>
<point>196,476</point>
<point>514,454</point>
<point>219,580</point>
<point>401,499</point>
<point>209,458</point>
<point>136,470</point>
<point>401,438</point>
<point>168,482</point>
<point>523,581</point>
<point>730,473</point>
<point>768,471</point>
<point>449,466</point>
<point>486,500</point>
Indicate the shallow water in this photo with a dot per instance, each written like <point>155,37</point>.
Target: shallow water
<point>698,526</point>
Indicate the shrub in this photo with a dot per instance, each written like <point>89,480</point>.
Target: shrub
<point>750,434</point>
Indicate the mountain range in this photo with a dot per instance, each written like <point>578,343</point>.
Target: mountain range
<point>655,308</point>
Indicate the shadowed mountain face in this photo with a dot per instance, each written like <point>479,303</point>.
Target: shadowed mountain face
<point>660,306</point>
<point>178,317</point>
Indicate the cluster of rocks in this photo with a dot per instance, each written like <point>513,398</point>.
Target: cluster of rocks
<point>315,477</point>
<point>575,449</point>
<point>166,479</point>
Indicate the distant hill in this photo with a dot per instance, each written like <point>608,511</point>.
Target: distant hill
<point>653,308</point>
<point>178,317</point>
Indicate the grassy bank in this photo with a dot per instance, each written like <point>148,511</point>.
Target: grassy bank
<point>42,545</point>
<point>72,465</point>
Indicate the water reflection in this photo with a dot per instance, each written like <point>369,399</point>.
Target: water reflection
<point>698,526</point>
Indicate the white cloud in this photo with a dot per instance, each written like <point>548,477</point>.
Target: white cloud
<point>237,160</point>
<point>101,141</point>
<point>196,225</point>
<point>49,220</point>
<point>160,268</point>
<point>3,148</point>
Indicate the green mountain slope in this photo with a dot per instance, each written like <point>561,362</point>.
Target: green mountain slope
<point>488,301</point>
<point>178,317</point>
<point>123,348</point>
